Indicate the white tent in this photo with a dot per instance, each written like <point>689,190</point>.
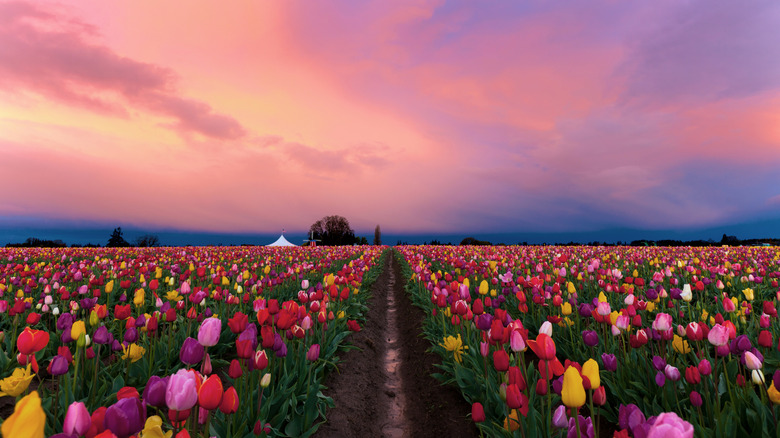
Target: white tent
<point>281,241</point>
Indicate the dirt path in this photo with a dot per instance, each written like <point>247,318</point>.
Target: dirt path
<point>385,389</point>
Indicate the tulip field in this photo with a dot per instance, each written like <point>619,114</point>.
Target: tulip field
<point>541,341</point>
<point>597,341</point>
<point>188,341</point>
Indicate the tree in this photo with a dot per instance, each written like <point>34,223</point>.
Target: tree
<point>377,236</point>
<point>116,239</point>
<point>333,230</point>
<point>147,241</point>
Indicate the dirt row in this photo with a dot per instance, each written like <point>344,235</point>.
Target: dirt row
<point>364,387</point>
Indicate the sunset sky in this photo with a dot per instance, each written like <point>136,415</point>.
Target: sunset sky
<point>421,116</point>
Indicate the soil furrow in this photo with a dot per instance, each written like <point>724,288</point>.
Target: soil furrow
<point>386,388</point>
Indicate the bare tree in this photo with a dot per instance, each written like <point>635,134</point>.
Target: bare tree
<point>147,241</point>
<point>377,236</point>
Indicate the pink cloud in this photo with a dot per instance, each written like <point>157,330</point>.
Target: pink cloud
<point>52,54</point>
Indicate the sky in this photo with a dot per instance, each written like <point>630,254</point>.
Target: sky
<point>425,117</point>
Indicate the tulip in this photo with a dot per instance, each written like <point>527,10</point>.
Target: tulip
<point>686,293</point>
<point>191,352</point>
<point>513,397</point>
<point>127,392</point>
<point>500,360</point>
<point>477,412</point>
<point>590,338</point>
<point>229,404</point>
<point>668,424</point>
<point>609,361</point>
<point>516,341</point>
<point>559,418</point>
<point>751,361</point>
<point>210,393</point>
<point>546,328</point>
<point>573,391</point>
<point>31,341</point>
<point>208,334</point>
<point>718,335</point>
<point>705,368</point>
<point>314,353</point>
<point>692,375</point>
<point>182,393</point>
<point>758,377</point>
<point>261,360</point>
<point>77,419</point>
<point>18,382</point>
<point>235,371</point>
<point>126,417</point>
<point>663,322</point>
<point>672,373</point>
<point>265,380</point>
<point>543,346</point>
<point>154,392</point>
<point>590,369</point>
<point>28,419</point>
<point>58,366</point>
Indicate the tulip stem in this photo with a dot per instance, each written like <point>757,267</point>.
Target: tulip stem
<point>577,422</point>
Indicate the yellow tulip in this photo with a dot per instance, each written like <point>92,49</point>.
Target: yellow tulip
<point>650,307</point>
<point>77,330</point>
<point>774,394</point>
<point>142,279</point>
<point>173,295</point>
<point>566,308</point>
<point>748,293</point>
<point>139,297</point>
<point>109,286</point>
<point>340,314</point>
<point>17,382</point>
<point>602,297</point>
<point>28,419</point>
<point>680,345</point>
<point>133,352</point>
<point>153,428</point>
<point>483,287</point>
<point>455,345</point>
<point>570,287</point>
<point>572,393</point>
<point>590,369</point>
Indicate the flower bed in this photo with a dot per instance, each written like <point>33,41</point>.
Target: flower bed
<point>192,341</point>
<point>634,341</point>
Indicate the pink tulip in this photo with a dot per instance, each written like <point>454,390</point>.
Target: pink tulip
<point>210,329</point>
<point>718,335</point>
<point>752,361</point>
<point>663,322</point>
<point>182,392</point>
<point>77,419</point>
<point>516,341</point>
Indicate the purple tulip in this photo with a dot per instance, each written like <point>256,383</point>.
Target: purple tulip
<point>660,378</point>
<point>609,361</point>
<point>126,417</point>
<point>313,353</point>
<point>191,352</point>
<point>65,321</point>
<point>282,352</point>
<point>141,321</point>
<point>776,379</point>
<point>585,310</point>
<point>590,337</point>
<point>131,335</point>
<point>154,392</point>
<point>630,416</point>
<point>659,363</point>
<point>559,419</point>
<point>59,366</point>
<point>101,335</point>
<point>586,428</point>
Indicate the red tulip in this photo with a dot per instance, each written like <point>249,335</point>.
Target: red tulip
<point>238,322</point>
<point>229,404</point>
<point>33,318</point>
<point>513,400</point>
<point>235,370</point>
<point>477,412</point>
<point>543,346</point>
<point>353,325</point>
<point>127,392</point>
<point>765,339</point>
<point>500,360</point>
<point>210,393</point>
<point>31,341</point>
<point>600,396</point>
<point>122,312</point>
<point>260,360</point>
